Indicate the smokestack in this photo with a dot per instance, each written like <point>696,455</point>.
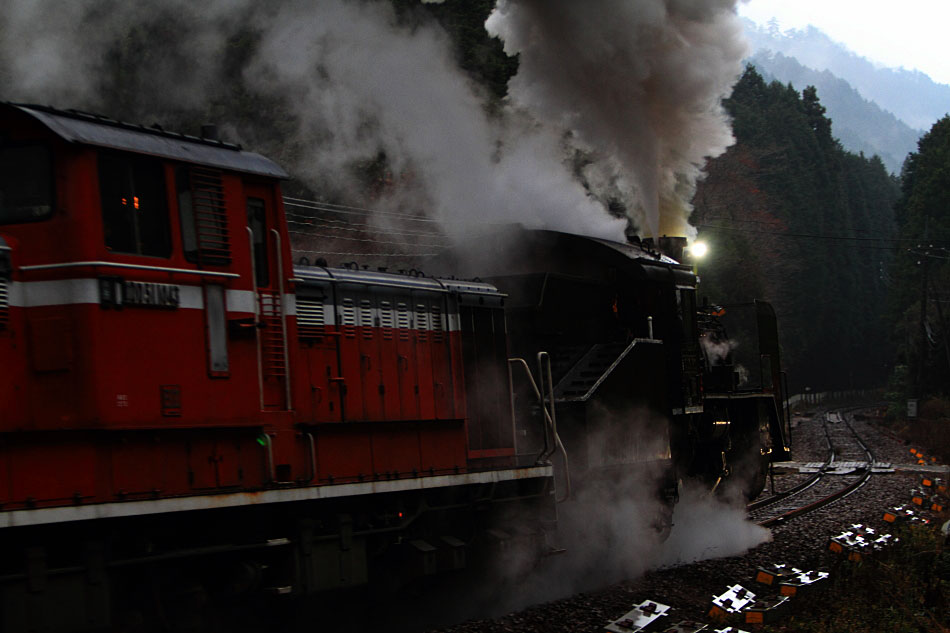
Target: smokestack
<point>209,132</point>
<point>673,247</point>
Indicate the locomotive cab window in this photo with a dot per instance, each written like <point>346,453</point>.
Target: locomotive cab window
<point>26,184</point>
<point>134,210</point>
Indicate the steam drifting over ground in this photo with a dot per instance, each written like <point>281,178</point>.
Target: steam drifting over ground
<point>615,102</point>
<point>707,527</point>
<point>612,526</point>
<point>609,538</point>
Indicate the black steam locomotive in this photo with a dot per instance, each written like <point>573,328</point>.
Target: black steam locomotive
<point>638,381</point>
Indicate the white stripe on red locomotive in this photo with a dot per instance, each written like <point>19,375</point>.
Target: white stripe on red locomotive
<point>61,514</point>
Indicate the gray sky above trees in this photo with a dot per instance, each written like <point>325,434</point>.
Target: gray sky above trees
<point>909,34</point>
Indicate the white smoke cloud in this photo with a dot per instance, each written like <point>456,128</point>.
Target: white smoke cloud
<point>638,83</point>
<point>58,53</point>
<point>717,350</point>
<point>363,84</point>
<point>705,527</point>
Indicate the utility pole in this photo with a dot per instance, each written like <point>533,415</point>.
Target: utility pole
<point>943,323</point>
<point>922,354</point>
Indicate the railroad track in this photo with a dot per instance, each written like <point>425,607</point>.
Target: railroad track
<point>847,467</point>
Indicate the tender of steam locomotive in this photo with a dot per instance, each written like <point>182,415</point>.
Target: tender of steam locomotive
<point>182,409</point>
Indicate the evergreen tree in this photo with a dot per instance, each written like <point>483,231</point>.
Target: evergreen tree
<point>771,203</point>
<point>918,302</point>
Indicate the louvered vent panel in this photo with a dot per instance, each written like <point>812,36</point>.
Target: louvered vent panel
<point>366,318</point>
<point>211,217</point>
<point>311,320</point>
<point>387,319</point>
<point>348,317</point>
<point>438,328</point>
<point>422,322</point>
<point>4,303</point>
<point>403,321</point>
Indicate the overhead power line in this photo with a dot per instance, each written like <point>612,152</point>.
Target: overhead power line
<point>405,255</point>
<point>348,210</point>
<point>820,236</point>
<point>362,239</point>
<point>360,228</point>
<point>894,246</point>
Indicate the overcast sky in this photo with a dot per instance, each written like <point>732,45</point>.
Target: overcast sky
<point>909,33</point>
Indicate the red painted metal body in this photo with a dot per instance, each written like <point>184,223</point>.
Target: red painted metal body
<point>172,350</point>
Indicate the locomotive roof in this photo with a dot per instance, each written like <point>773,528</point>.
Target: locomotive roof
<point>84,128</point>
<point>514,250</point>
<point>633,251</point>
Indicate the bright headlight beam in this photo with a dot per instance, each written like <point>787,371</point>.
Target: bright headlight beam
<point>698,249</point>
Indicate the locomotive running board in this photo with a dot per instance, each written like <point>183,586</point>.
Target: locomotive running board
<point>41,516</point>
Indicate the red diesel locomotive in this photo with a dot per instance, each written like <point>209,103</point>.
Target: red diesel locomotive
<point>173,389</point>
<point>181,407</point>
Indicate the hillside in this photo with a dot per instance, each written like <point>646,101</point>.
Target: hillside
<point>911,95</point>
<point>861,125</point>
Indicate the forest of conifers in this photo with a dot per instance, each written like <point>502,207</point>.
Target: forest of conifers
<point>847,253</point>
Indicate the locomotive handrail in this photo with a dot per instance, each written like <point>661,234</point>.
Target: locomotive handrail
<point>549,385</point>
<point>556,440</point>
<point>163,269</point>
<point>537,393</point>
<point>257,316</point>
<point>544,361</point>
<point>313,456</point>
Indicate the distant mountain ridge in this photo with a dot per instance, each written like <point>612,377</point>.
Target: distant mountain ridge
<point>860,125</point>
<point>911,95</point>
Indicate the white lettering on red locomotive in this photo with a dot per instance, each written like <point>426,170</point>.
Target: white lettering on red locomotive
<point>150,295</point>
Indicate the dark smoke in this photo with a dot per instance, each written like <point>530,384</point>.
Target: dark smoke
<point>639,84</point>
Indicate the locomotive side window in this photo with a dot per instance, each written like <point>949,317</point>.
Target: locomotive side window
<point>256,219</point>
<point>186,214</point>
<point>216,321</point>
<point>26,184</point>
<point>134,210</point>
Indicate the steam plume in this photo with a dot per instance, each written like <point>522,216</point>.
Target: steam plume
<point>363,84</point>
<point>638,83</point>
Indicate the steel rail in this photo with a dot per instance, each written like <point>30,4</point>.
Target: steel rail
<point>829,499</point>
<point>775,498</point>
